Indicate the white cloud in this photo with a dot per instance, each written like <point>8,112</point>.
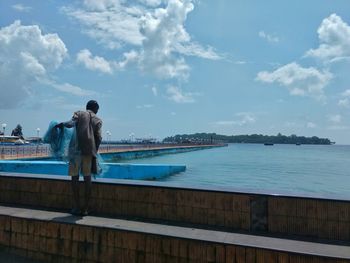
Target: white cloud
<point>338,128</point>
<point>298,80</point>
<point>243,118</point>
<point>154,28</point>
<point>334,37</point>
<point>240,62</point>
<point>154,91</point>
<point>311,125</point>
<point>336,118</point>
<point>97,63</point>
<point>270,38</point>
<point>144,106</point>
<point>151,2</point>
<point>71,89</point>
<point>344,103</point>
<point>290,124</point>
<point>26,58</point>
<point>21,8</point>
<point>346,93</point>
<point>60,102</point>
<point>93,63</point>
<point>177,95</point>
<point>345,100</point>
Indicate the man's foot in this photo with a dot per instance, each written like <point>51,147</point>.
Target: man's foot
<point>75,211</point>
<point>85,212</point>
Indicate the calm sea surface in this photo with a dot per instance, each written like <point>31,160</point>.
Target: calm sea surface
<point>305,169</point>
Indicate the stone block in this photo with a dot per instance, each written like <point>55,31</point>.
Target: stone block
<point>110,238</point>
<point>75,233</point>
<point>183,249</point>
<point>250,255</point>
<point>230,253</point>
<point>36,245</point>
<point>223,201</point>
<point>89,234</point>
<point>283,257</point>
<point>118,239</point>
<point>220,254</point>
<point>267,256</point>
<point>220,218</point>
<point>344,212</point>
<point>66,231</point>
<point>245,220</point>
<point>174,247</point>
<point>2,222</point>
<point>210,252</point>
<point>51,245</point>
<point>196,251</point>
<point>333,211</point>
<point>16,225</point>
<point>211,216</point>
<point>52,230</point>
<point>181,197</point>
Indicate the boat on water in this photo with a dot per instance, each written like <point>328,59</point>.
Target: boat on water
<point>268,143</point>
<point>11,140</point>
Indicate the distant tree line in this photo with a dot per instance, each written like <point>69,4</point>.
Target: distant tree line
<point>253,138</point>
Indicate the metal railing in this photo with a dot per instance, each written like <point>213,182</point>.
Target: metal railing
<point>24,151</point>
<point>32,151</point>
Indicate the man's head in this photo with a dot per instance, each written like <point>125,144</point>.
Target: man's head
<point>93,106</point>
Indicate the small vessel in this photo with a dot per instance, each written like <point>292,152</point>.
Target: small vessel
<point>298,143</point>
<point>268,143</point>
<point>8,139</point>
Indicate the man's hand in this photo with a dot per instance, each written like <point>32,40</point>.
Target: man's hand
<point>60,125</point>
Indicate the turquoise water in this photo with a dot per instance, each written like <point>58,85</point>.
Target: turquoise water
<point>306,169</point>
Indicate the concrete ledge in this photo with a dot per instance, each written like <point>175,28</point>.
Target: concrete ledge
<point>288,217</point>
<point>157,239</point>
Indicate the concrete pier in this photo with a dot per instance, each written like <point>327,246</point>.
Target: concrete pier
<point>109,170</point>
<point>118,151</point>
<point>138,221</point>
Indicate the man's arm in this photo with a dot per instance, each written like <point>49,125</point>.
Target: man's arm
<point>98,135</point>
<point>68,124</point>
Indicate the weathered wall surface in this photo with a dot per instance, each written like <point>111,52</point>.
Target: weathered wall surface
<point>231,211</point>
<point>62,242</point>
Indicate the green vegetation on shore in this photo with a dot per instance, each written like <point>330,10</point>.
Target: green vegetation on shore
<point>253,138</point>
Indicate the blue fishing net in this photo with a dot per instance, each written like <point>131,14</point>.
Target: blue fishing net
<point>62,148</point>
<point>58,139</point>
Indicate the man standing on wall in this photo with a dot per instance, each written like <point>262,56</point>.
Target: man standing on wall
<point>83,148</point>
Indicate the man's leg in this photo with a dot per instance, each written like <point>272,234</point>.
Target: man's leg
<point>75,191</point>
<point>73,171</point>
<point>86,171</point>
<point>87,183</point>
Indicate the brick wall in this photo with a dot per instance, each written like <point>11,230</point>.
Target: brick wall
<point>285,216</point>
<point>61,242</point>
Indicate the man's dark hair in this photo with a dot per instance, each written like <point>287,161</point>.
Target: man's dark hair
<point>92,105</point>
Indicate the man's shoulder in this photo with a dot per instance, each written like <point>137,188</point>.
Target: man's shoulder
<point>97,119</point>
<point>94,117</point>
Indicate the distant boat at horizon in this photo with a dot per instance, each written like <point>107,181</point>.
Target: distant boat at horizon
<point>268,144</point>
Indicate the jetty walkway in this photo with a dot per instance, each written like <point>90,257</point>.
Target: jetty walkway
<point>40,151</point>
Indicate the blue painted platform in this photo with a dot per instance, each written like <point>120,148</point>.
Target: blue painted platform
<point>110,170</point>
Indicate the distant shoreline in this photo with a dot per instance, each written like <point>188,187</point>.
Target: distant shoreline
<point>252,138</point>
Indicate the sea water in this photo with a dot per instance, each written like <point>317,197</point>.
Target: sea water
<point>313,170</point>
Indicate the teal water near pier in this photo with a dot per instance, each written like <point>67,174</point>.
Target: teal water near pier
<point>280,169</point>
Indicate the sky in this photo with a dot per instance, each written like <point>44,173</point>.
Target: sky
<point>164,67</point>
